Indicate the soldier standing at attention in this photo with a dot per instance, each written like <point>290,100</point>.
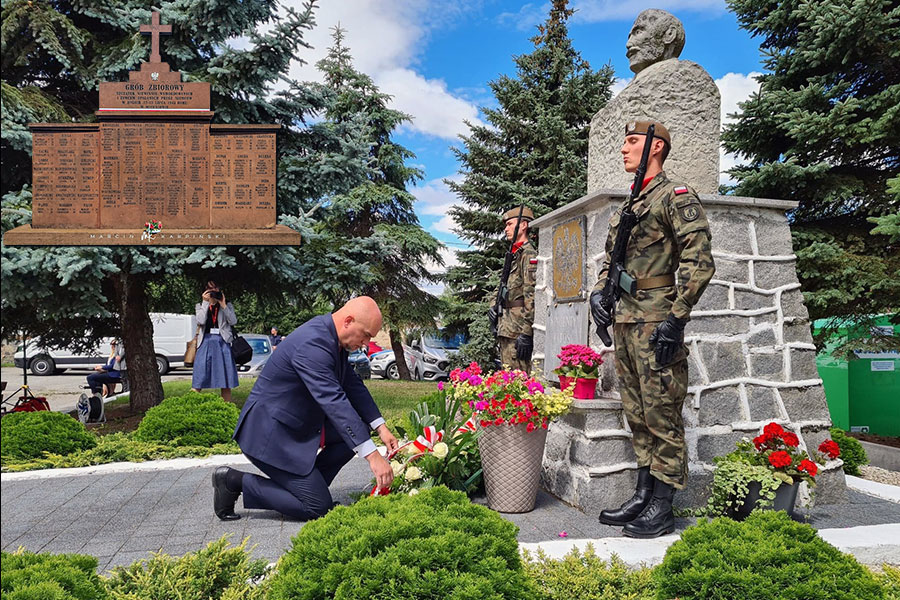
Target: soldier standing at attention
<point>512,322</point>
<point>671,237</point>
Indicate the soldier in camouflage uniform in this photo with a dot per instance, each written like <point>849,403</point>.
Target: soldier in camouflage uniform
<point>513,327</point>
<point>671,238</point>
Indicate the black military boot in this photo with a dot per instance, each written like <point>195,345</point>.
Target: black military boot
<point>657,518</point>
<point>629,511</point>
<point>224,497</point>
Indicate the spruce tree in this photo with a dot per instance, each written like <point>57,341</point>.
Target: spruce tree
<point>53,57</point>
<point>824,130</point>
<point>533,151</point>
<point>375,223</point>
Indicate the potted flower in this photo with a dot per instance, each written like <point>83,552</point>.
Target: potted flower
<point>765,473</point>
<point>512,411</point>
<point>579,365</point>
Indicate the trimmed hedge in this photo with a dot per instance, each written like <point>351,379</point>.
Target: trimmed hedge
<point>27,435</point>
<point>190,420</point>
<point>435,544</point>
<point>29,576</point>
<point>852,452</point>
<point>766,557</point>
<point>218,572</point>
<point>586,576</point>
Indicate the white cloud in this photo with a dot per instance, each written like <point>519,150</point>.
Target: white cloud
<point>619,84</point>
<point>435,198</point>
<point>445,225</point>
<point>386,40</point>
<point>733,88</point>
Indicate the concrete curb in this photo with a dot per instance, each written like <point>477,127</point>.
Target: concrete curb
<point>869,544</point>
<point>873,488</point>
<point>171,464</point>
<point>886,457</point>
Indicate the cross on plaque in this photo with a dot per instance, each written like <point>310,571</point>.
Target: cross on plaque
<point>155,29</point>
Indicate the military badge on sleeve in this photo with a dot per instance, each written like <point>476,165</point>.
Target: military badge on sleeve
<point>690,212</point>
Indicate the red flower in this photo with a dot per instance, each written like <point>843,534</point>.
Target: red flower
<point>780,459</point>
<point>808,466</point>
<point>760,441</point>
<point>773,429</point>
<point>790,439</point>
<point>530,427</point>
<point>830,448</point>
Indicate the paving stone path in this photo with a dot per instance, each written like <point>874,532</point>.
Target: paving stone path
<point>121,517</point>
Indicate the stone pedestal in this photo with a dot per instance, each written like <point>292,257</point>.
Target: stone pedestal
<point>752,359</point>
<point>682,96</point>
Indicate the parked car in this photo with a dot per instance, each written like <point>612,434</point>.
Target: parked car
<point>359,360</point>
<point>171,333</point>
<point>262,350</point>
<point>428,358</point>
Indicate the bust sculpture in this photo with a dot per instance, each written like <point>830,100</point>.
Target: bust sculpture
<point>678,93</point>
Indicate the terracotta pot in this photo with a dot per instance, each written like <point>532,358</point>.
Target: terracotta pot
<point>785,497</point>
<point>511,457</point>
<point>564,382</point>
<point>585,389</point>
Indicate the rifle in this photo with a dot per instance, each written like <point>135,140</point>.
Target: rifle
<point>617,279</point>
<point>503,290</point>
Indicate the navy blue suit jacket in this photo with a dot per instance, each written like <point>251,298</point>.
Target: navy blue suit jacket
<point>306,380</point>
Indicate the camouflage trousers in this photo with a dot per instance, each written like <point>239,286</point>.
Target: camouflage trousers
<point>508,355</point>
<point>652,398</point>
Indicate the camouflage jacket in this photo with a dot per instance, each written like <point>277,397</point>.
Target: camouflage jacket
<point>671,236</point>
<point>517,320</point>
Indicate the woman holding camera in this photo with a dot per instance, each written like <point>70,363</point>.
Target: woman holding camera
<point>214,363</point>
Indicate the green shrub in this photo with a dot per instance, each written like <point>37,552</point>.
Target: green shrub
<point>190,420</point>
<point>119,447</point>
<point>586,576</point>
<point>435,544</point>
<point>31,434</point>
<point>766,557</point>
<point>216,572</point>
<point>852,452</point>
<point>890,579</point>
<point>29,576</point>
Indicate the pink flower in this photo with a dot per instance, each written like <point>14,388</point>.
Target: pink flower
<point>563,534</point>
<point>535,387</point>
<point>440,386</point>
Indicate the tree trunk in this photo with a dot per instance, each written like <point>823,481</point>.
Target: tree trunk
<point>137,337</point>
<point>399,355</point>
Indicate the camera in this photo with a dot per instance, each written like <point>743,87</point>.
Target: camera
<point>215,295</point>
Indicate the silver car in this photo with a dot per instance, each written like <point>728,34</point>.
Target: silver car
<point>426,359</point>
<point>262,350</point>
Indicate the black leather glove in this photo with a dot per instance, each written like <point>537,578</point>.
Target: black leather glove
<point>602,319</point>
<point>668,337</point>
<point>492,319</point>
<point>524,346</point>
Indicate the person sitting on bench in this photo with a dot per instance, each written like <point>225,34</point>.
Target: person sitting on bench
<point>107,374</point>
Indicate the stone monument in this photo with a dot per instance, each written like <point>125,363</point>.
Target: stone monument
<point>751,360</point>
<point>663,85</point>
<point>153,170</point>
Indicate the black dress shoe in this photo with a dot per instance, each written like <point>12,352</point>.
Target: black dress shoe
<point>634,506</point>
<point>223,498</point>
<point>657,518</point>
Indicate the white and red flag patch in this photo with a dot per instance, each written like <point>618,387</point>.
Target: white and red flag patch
<point>533,261</point>
<point>680,190</point>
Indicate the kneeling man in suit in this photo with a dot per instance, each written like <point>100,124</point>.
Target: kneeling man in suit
<point>305,418</point>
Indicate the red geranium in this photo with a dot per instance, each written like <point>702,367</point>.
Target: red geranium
<point>830,448</point>
<point>809,467</point>
<point>780,459</point>
<point>790,439</point>
<point>773,429</point>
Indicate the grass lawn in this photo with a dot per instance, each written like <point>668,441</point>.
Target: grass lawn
<point>394,398</point>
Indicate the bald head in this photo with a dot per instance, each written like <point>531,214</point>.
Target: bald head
<point>655,36</point>
<point>357,322</point>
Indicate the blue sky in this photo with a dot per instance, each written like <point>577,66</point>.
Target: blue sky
<point>436,59</point>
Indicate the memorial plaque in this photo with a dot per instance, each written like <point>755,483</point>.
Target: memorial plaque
<point>153,158</point>
<point>154,170</point>
<point>64,176</point>
<point>568,260</point>
<point>242,178</point>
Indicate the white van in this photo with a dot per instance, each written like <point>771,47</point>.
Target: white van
<point>171,333</point>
